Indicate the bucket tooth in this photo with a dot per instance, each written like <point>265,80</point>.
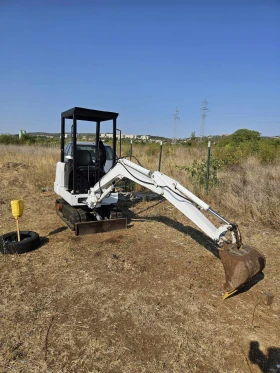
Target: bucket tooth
<point>240,265</point>
<point>228,294</point>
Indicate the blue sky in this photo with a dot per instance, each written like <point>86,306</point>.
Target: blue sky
<point>141,59</point>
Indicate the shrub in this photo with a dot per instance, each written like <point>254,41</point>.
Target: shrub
<point>27,139</point>
<point>243,144</point>
<point>269,150</point>
<point>228,154</point>
<point>8,139</point>
<point>153,149</point>
<point>199,170</point>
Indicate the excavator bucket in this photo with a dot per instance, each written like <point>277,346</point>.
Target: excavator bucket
<point>240,265</point>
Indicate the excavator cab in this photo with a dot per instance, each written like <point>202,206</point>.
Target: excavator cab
<point>81,167</point>
<point>79,163</point>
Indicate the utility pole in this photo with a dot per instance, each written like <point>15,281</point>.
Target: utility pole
<point>175,116</point>
<point>203,116</point>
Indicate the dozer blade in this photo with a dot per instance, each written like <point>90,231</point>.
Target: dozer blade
<point>240,266</point>
<point>100,226</point>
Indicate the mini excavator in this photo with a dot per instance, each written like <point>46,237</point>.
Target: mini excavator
<point>88,198</point>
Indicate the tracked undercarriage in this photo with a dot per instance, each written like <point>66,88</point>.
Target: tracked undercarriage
<point>83,220</point>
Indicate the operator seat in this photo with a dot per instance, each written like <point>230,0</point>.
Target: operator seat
<point>101,155</point>
<point>85,172</point>
<point>83,158</point>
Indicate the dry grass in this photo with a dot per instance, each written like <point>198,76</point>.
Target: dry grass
<point>37,161</point>
<point>144,300</point>
<point>249,191</point>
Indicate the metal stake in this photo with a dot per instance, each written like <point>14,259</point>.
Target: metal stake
<point>160,153</point>
<point>208,166</point>
<point>130,150</point>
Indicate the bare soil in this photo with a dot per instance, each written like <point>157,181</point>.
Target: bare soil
<point>143,300</point>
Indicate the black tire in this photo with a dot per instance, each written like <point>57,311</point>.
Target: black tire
<point>28,241</point>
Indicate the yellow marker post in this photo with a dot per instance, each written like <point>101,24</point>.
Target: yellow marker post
<point>17,210</point>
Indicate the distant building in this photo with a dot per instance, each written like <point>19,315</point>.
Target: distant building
<point>143,137</point>
<point>106,135</point>
<point>125,136</point>
<point>21,132</point>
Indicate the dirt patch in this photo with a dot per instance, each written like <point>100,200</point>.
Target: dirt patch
<point>147,299</point>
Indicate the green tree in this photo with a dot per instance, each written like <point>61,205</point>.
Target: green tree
<point>6,138</point>
<point>27,139</point>
<point>244,135</point>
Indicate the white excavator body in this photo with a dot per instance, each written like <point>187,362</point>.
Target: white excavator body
<point>88,198</point>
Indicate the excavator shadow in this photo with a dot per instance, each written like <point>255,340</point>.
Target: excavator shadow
<point>58,230</point>
<point>257,278</point>
<point>266,363</point>
<point>196,235</point>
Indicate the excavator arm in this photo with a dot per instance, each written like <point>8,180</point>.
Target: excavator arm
<point>185,201</point>
<point>240,262</point>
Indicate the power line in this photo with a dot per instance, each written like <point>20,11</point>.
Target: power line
<point>176,117</point>
<point>203,116</point>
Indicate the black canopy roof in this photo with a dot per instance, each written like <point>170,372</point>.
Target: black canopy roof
<point>89,114</point>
